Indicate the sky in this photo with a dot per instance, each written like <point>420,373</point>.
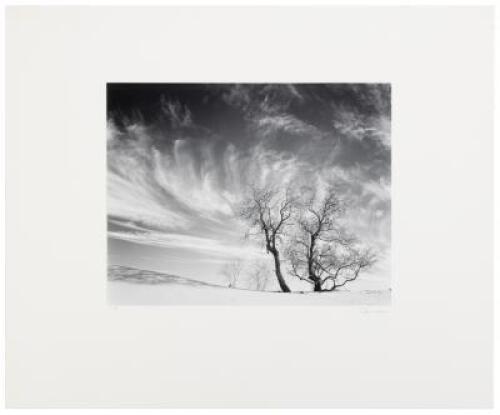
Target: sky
<point>181,157</point>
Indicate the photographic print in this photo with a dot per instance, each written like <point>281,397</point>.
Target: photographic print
<point>251,194</point>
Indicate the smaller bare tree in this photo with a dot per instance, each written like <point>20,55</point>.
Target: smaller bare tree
<point>232,272</point>
<point>259,276</point>
<point>321,253</point>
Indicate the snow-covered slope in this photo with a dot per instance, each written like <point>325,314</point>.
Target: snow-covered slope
<point>131,286</point>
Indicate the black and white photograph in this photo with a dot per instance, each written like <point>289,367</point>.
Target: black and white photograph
<point>250,207</point>
<point>249,194</point>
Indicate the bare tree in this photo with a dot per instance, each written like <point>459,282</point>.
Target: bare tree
<point>259,276</point>
<point>321,253</point>
<point>268,211</point>
<point>232,271</point>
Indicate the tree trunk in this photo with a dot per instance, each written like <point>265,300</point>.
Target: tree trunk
<point>277,270</point>
<point>310,261</point>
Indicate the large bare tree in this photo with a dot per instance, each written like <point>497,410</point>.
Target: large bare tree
<point>321,253</point>
<point>269,211</point>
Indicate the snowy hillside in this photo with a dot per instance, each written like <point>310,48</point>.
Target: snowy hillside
<point>131,286</point>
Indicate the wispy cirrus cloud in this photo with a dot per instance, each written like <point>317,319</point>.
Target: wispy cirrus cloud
<point>269,125</point>
<point>178,113</point>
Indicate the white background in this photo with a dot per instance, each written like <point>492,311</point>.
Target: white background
<point>65,347</point>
